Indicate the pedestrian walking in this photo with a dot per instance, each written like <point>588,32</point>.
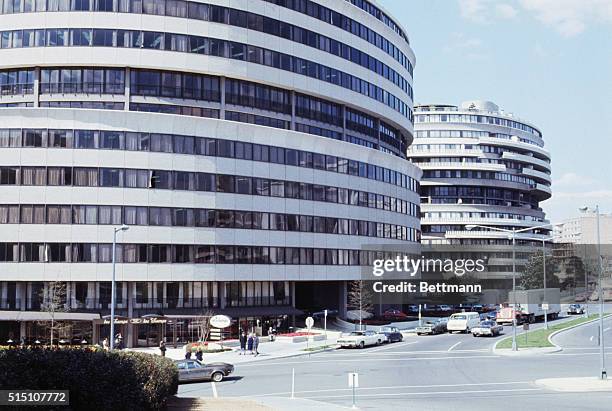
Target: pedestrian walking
<point>243,342</point>
<point>199,354</point>
<point>162,348</point>
<point>187,352</point>
<point>105,344</point>
<point>250,344</point>
<point>256,344</point>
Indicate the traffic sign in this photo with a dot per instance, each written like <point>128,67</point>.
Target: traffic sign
<point>309,322</point>
<point>545,306</point>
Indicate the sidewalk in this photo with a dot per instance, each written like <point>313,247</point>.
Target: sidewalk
<point>267,350</point>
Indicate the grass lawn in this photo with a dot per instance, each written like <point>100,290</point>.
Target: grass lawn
<point>539,338</point>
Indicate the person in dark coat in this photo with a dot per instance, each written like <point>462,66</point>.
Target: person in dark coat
<point>162,348</point>
<point>199,354</point>
<point>243,342</point>
<point>250,343</point>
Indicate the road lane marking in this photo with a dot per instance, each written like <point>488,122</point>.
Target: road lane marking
<point>389,346</point>
<point>214,389</point>
<point>607,329</point>
<point>393,387</point>
<point>395,394</point>
<point>262,363</point>
<point>454,345</point>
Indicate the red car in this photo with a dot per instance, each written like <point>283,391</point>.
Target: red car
<point>392,314</point>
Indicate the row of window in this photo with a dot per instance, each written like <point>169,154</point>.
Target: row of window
<point>95,105</point>
<point>193,181</point>
<point>84,37</point>
<point>473,118</point>
<point>476,214</point>
<point>484,175</point>
<point>380,15</point>
<point>203,87</point>
<point>354,27</point>
<point>17,82</point>
<point>181,144</point>
<point>472,134</point>
<point>199,217</point>
<point>183,254</point>
<point>218,14</point>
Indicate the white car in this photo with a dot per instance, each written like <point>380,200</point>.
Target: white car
<point>463,322</point>
<point>361,339</point>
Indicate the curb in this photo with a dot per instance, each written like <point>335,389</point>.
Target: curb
<point>572,327</point>
<point>291,355</point>
<point>557,348</point>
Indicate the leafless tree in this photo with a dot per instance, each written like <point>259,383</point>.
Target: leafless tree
<point>203,324</point>
<point>53,297</point>
<point>359,297</point>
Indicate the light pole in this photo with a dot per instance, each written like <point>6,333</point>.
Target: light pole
<point>112,316</point>
<point>544,240</point>
<point>603,374</point>
<point>512,233</point>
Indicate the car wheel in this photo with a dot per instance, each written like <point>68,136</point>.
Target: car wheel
<point>467,330</point>
<point>401,338</point>
<point>378,342</point>
<point>474,335</point>
<point>361,344</point>
<point>217,376</point>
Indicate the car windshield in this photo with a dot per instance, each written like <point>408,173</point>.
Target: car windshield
<point>357,333</point>
<point>486,324</point>
<point>387,329</point>
<point>458,317</point>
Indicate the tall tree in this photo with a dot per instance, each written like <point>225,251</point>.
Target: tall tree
<point>360,298</point>
<point>53,297</point>
<point>532,276</point>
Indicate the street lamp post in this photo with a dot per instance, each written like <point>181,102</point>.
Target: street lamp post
<point>112,316</point>
<point>602,352</point>
<point>512,233</point>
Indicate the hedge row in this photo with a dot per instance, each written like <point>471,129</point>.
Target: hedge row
<point>97,380</point>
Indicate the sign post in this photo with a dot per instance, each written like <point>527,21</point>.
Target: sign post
<point>545,308</point>
<point>526,328</point>
<point>420,315</point>
<point>325,325</point>
<point>309,324</point>
<point>353,382</point>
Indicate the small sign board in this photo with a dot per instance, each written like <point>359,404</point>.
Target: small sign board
<point>309,322</point>
<point>353,380</point>
<point>526,326</point>
<point>220,321</point>
<point>545,306</point>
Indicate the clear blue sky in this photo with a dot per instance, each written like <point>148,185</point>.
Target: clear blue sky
<point>546,61</point>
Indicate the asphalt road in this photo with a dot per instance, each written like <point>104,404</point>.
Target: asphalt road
<point>441,372</point>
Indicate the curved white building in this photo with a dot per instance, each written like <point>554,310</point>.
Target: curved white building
<point>481,166</point>
<point>254,148</point>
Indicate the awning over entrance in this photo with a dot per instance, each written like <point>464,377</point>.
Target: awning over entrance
<point>45,316</point>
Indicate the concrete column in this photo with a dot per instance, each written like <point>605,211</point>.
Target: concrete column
<point>293,99</point>
<point>222,301</point>
<point>129,338</point>
<point>126,106</point>
<point>36,87</point>
<point>21,290</point>
<point>222,92</point>
<point>22,330</point>
<point>342,299</point>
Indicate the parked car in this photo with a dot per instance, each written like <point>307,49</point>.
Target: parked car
<point>393,314</point>
<point>444,308</point>
<point>432,327</point>
<point>392,334</point>
<point>478,308</point>
<point>575,309</point>
<point>360,339</point>
<point>194,370</point>
<point>413,309</point>
<point>490,328</point>
<point>463,322</point>
<point>492,315</point>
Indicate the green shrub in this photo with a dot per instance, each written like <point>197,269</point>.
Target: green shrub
<point>97,380</point>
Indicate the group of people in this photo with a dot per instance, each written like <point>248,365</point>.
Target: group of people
<point>118,343</point>
<point>198,354</point>
<point>249,343</point>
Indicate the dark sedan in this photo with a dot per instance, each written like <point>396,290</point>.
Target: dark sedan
<point>193,370</point>
<point>393,334</point>
<point>432,327</point>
